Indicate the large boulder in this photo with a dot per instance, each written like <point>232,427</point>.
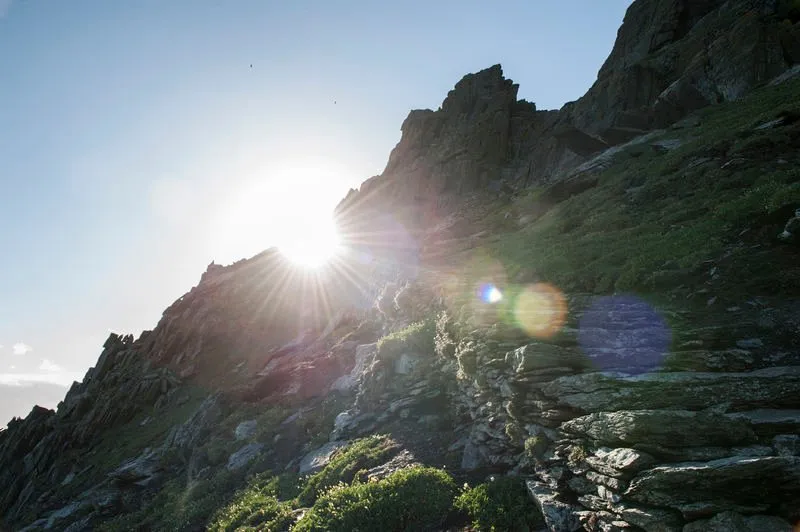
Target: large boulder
<point>699,489</point>
<point>319,458</point>
<point>244,456</point>
<point>603,392</point>
<point>559,516</point>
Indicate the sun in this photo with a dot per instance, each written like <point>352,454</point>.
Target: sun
<point>311,243</point>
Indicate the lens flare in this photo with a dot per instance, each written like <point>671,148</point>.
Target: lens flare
<point>624,333</point>
<point>540,310</point>
<point>489,293</point>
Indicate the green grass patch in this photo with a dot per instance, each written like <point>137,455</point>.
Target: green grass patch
<point>118,444</point>
<point>257,506</point>
<point>361,454</point>
<point>179,505</point>
<point>416,338</point>
<point>500,505</point>
<point>414,499</point>
<point>652,219</point>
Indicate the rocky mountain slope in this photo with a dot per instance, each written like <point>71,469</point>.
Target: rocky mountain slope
<point>587,315</point>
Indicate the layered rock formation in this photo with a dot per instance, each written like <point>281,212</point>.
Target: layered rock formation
<point>669,59</point>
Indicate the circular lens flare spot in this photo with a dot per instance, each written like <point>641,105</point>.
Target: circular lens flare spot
<point>540,310</point>
<point>624,333</point>
<point>489,293</point>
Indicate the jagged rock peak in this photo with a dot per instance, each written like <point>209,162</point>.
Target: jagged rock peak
<point>476,89</point>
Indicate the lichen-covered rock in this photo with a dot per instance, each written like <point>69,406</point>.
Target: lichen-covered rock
<point>770,422</point>
<point>141,470</point>
<point>619,462</point>
<point>650,519</point>
<point>787,444</point>
<point>245,430</point>
<point>319,458</point>
<point>671,428</point>
<point>243,456</point>
<point>558,516</point>
<point>539,356</point>
<point>189,434</point>
<point>698,489</point>
<point>775,387</point>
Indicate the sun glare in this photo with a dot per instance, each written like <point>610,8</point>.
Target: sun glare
<point>312,244</point>
<point>286,205</point>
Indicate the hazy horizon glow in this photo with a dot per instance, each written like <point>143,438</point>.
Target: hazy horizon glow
<point>139,144</point>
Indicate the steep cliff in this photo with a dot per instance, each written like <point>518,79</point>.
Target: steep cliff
<point>599,302</point>
<point>669,59</point>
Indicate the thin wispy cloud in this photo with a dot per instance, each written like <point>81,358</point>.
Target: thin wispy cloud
<point>29,379</point>
<point>48,365</point>
<point>5,5</point>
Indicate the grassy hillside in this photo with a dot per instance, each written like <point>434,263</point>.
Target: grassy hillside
<point>718,188</point>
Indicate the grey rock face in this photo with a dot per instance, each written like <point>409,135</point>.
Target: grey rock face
<point>363,357</point>
<point>319,458</point>
<point>140,470</point>
<point>696,489</point>
<point>787,444</point>
<point>595,392</point>
<point>650,519</point>
<point>619,462</point>
<point>671,428</point>
<point>189,434</point>
<point>243,456</point>
<point>558,516</point>
<point>672,57</point>
<point>245,430</point>
<point>539,356</point>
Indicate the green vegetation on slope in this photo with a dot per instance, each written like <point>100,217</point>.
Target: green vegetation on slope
<point>179,505</point>
<point>656,214</point>
<point>339,497</point>
<point>502,504</point>
<point>258,506</point>
<point>652,222</point>
<point>416,338</point>
<point>343,467</point>
<point>417,498</point>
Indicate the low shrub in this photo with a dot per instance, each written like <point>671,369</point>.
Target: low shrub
<point>361,454</point>
<point>414,499</point>
<point>256,507</point>
<point>501,504</point>
<point>417,338</point>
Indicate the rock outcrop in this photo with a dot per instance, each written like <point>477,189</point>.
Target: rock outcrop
<point>670,58</point>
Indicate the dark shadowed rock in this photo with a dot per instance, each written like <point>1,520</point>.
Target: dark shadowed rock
<point>245,455</point>
<point>699,489</point>
<point>734,522</point>
<point>671,428</point>
<point>772,387</point>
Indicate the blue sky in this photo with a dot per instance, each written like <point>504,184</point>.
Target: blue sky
<point>137,143</point>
